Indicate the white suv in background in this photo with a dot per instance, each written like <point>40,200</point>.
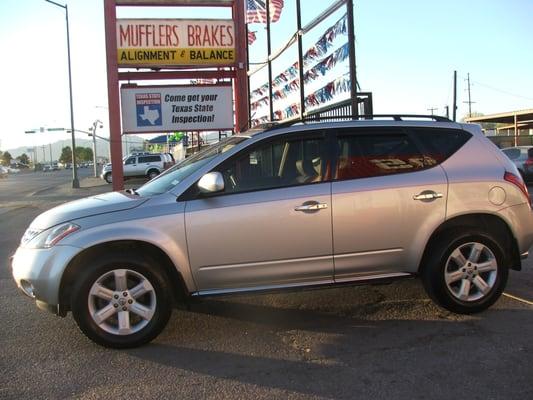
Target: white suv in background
<point>140,165</point>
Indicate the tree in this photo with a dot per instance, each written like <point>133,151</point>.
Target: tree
<point>24,159</point>
<point>66,155</point>
<point>6,158</point>
<point>84,154</point>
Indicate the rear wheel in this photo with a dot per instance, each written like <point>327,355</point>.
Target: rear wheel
<point>152,173</point>
<point>121,301</point>
<point>465,273</point>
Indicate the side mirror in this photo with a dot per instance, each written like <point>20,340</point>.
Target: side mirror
<point>211,182</point>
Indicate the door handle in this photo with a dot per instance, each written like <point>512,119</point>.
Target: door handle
<point>311,207</point>
<point>427,195</point>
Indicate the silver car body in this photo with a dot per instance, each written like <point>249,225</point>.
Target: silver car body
<point>369,228</point>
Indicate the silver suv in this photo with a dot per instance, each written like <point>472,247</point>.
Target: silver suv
<point>139,165</point>
<point>294,206</point>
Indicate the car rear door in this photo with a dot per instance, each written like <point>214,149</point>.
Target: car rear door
<point>387,198</point>
<point>271,227</point>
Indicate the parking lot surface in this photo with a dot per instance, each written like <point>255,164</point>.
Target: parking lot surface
<point>378,342</point>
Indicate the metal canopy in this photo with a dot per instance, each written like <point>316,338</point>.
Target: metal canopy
<point>505,118</point>
<point>515,120</point>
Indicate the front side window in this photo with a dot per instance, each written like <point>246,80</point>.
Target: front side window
<point>276,164</point>
<point>377,154</point>
<point>130,160</point>
<point>176,174</point>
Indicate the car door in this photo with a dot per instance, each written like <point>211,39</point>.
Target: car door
<point>387,198</point>
<point>130,166</point>
<point>271,226</point>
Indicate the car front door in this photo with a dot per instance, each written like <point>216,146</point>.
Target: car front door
<point>130,166</point>
<point>271,226</point>
<point>387,199</point>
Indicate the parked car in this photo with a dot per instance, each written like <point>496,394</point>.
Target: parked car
<point>47,168</point>
<point>3,172</point>
<point>522,156</point>
<point>145,164</point>
<point>307,205</point>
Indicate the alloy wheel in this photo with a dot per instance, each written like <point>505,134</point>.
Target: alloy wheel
<point>471,271</point>
<point>122,302</point>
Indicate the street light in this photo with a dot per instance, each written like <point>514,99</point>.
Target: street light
<point>96,124</point>
<point>75,181</point>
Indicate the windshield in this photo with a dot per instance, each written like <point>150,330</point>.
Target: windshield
<point>172,176</point>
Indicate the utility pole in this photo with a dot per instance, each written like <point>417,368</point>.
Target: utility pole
<point>447,111</point>
<point>44,154</point>
<point>51,160</point>
<point>96,124</point>
<point>454,110</point>
<point>432,109</point>
<point>470,102</point>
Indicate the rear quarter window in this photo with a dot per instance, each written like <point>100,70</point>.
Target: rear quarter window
<point>439,144</point>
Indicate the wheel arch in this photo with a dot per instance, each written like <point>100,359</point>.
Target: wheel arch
<point>487,222</point>
<point>177,283</point>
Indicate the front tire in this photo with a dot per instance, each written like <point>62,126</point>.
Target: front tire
<point>108,177</point>
<point>465,272</point>
<point>121,301</point>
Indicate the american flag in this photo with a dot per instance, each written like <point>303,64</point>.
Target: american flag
<point>251,37</point>
<point>256,11</point>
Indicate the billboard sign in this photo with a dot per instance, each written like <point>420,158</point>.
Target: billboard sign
<point>176,108</point>
<point>175,42</point>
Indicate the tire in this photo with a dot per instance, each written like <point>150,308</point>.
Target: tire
<point>108,177</point>
<point>152,174</point>
<point>125,318</point>
<point>465,272</point>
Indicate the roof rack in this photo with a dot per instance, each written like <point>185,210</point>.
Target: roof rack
<point>317,118</point>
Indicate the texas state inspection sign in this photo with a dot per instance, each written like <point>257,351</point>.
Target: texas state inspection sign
<point>175,42</point>
<point>152,109</point>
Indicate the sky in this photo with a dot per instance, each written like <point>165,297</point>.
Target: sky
<point>406,52</point>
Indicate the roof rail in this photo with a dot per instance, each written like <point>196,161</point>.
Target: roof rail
<point>317,118</point>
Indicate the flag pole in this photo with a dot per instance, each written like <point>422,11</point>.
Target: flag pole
<point>270,105</point>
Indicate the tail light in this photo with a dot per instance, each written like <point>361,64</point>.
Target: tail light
<point>529,162</point>
<point>518,182</point>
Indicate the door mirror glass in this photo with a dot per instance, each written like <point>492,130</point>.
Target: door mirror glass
<point>211,182</point>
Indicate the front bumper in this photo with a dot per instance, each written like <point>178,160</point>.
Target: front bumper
<point>38,272</point>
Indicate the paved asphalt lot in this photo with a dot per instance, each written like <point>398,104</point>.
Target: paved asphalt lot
<point>379,342</point>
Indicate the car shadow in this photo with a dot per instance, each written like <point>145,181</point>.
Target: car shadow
<point>330,351</point>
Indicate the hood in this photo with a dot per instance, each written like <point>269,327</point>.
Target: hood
<point>100,204</point>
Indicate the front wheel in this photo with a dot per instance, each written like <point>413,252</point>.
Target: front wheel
<point>465,273</point>
<point>108,177</point>
<point>121,301</point>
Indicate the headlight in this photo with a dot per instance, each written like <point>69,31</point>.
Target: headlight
<point>48,238</point>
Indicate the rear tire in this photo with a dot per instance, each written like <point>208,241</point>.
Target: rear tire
<point>121,301</point>
<point>465,272</point>
<point>152,174</point>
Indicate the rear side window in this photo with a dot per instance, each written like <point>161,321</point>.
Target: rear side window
<point>439,144</point>
<point>377,154</point>
<point>147,159</point>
